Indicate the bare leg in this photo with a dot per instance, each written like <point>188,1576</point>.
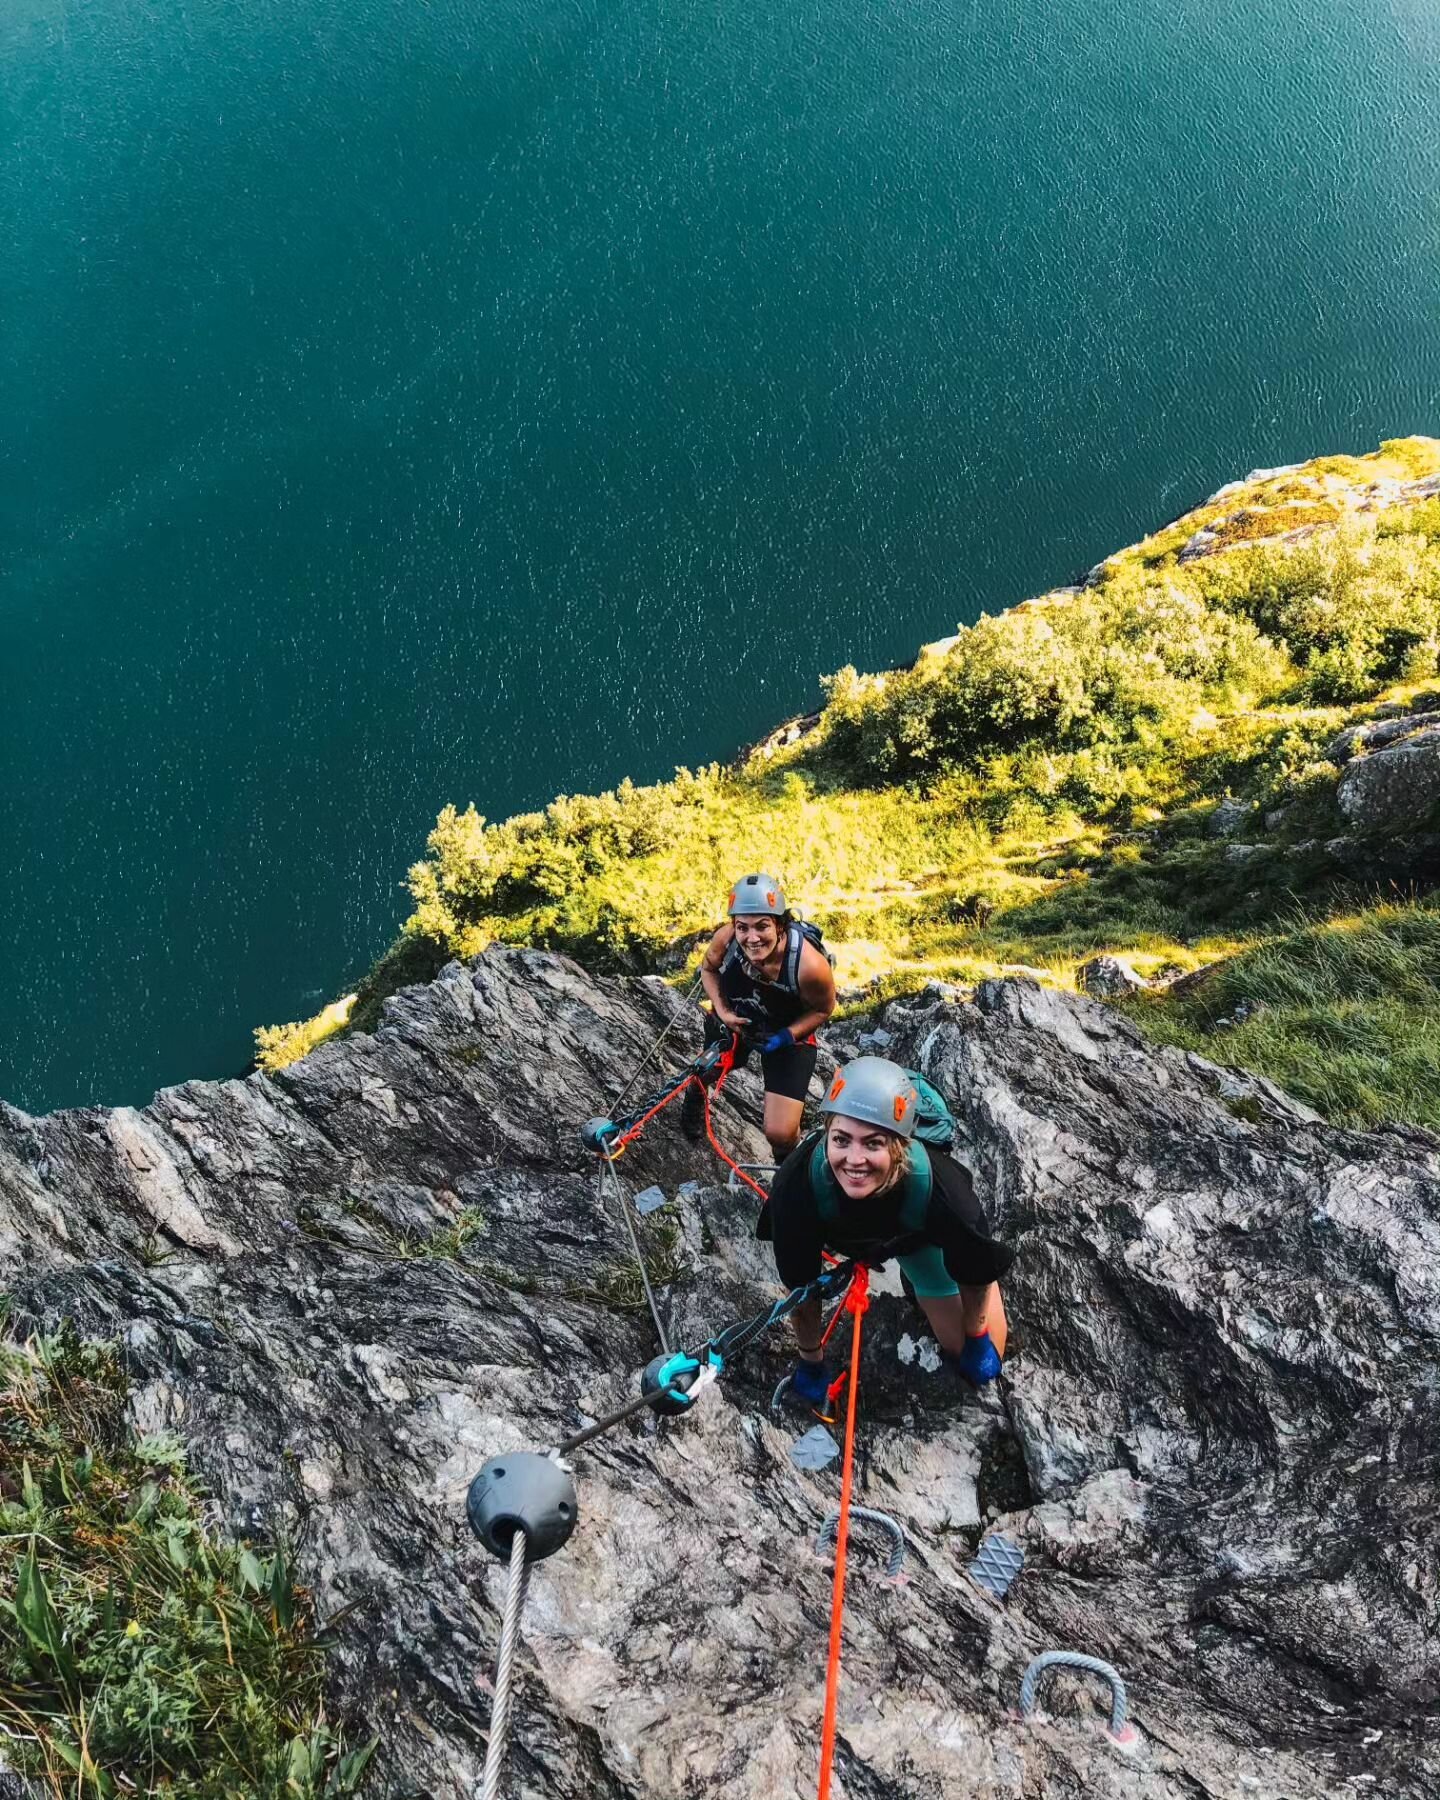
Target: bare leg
<point>806,1321</point>
<point>782,1124</point>
<point>967,1314</point>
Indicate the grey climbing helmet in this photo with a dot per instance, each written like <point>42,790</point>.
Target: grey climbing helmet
<point>877,1092</point>
<point>757,894</point>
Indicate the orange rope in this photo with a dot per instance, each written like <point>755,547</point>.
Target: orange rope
<point>856,1300</point>
<point>640,1124</point>
<point>727,1062</point>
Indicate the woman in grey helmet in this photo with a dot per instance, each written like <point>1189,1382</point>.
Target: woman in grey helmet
<point>769,982</point>
<point>868,1181</point>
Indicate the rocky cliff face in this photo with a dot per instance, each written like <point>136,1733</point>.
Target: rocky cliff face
<point>1215,1439</point>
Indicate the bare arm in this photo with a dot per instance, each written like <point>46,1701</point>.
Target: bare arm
<point>817,990</point>
<point>710,977</point>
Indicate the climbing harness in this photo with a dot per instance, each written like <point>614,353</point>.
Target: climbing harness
<point>1122,1734</point>
<point>857,1299</point>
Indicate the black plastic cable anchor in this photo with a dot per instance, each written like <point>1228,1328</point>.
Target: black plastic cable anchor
<point>527,1492</point>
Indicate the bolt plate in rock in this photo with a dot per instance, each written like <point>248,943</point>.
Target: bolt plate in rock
<point>997,1564</point>
<point>815,1450</point>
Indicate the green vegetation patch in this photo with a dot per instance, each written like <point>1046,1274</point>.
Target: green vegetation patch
<point>1345,1015</point>
<point>1040,787</point>
<point>141,1652</point>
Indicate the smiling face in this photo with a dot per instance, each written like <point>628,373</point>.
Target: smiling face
<point>863,1158</point>
<point>757,935</point>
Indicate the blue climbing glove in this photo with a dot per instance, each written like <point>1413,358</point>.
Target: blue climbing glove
<point>778,1040</point>
<point>979,1362</point>
<point>810,1382</point>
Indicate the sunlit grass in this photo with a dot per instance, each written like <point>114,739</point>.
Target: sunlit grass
<point>278,1045</point>
<point>1344,1014</point>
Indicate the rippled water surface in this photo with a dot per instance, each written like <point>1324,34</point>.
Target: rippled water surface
<point>413,402</point>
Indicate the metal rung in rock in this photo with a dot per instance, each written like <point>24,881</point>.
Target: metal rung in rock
<point>895,1563</point>
<point>1122,1734</point>
<point>997,1564</point>
<point>759,1170</point>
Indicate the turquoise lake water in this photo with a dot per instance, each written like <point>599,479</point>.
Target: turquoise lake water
<point>417,402</point>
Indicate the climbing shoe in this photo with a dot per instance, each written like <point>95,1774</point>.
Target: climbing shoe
<point>692,1112</point>
<point>978,1363</point>
<point>810,1382</point>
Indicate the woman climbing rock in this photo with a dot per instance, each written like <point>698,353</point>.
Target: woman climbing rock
<point>769,982</point>
<point>865,1181</point>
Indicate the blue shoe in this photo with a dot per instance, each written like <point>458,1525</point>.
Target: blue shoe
<point>810,1382</point>
<point>978,1363</point>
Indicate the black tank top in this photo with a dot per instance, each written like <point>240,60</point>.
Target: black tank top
<point>774,1003</point>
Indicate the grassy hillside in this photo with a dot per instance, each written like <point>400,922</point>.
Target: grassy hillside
<point>1050,782</point>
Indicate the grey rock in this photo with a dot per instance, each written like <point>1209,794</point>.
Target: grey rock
<point>1373,734</point>
<point>1246,853</point>
<point>1214,1439</point>
<point>1201,544</point>
<point>650,1200</point>
<point>875,1042</point>
<point>1393,788</point>
<point>1109,977</point>
<point>1229,816</point>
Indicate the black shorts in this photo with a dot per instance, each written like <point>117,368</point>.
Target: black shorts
<point>786,1072</point>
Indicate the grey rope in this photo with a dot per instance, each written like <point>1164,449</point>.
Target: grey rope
<point>504,1669</point>
<point>1070,1659</point>
<point>649,1055</point>
<point>830,1529</point>
<point>607,1167</point>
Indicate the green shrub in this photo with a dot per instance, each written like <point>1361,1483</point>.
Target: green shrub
<point>139,1651</point>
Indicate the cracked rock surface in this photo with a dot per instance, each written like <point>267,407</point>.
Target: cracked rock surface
<point>1215,1439</point>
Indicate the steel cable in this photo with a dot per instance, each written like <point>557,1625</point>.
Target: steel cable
<point>608,1168</point>
<point>650,1053</point>
<point>505,1669</point>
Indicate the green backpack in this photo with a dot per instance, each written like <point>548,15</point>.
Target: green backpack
<point>934,1121</point>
